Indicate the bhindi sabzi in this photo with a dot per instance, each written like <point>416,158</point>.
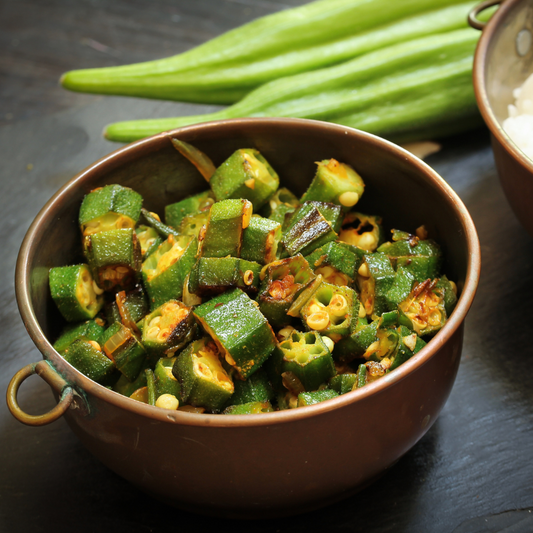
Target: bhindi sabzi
<point>255,310</point>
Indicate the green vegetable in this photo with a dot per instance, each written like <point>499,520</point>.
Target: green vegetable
<point>87,357</point>
<point>295,40</point>
<point>91,330</point>
<point>412,90</point>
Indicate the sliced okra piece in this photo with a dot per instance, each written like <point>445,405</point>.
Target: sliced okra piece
<point>242,333</point>
<point>338,262</point>
<point>203,380</point>
<point>125,349</point>
<point>307,357</point>
<point>336,183</point>
<point>87,357</point>
<point>213,275</point>
<point>400,288</point>
<point>165,270</point>
<point>423,258</point>
<point>75,293</point>
<point>282,281</point>
<point>150,386</point>
<point>314,397</point>
<point>331,310</point>
<point>409,343</point>
<point>354,346</point>
<point>176,212</point>
<point>225,226</point>
<point>331,212</point>
<point>153,220</point>
<point>384,348</point>
<point>261,240</point>
<point>114,257</point>
<point>308,229</point>
<point>282,214</point>
<point>362,230</point>
<point>245,174</point>
<point>256,388</point>
<point>342,383</point>
<point>193,224</point>
<point>424,311</point>
<point>375,277</point>
<point>165,381</point>
<point>110,207</point>
<point>282,197</point>
<point>126,387</point>
<point>128,307</point>
<point>167,329</point>
<point>361,377</point>
<point>450,293</point>
<point>149,239</point>
<point>250,408</point>
<point>91,330</point>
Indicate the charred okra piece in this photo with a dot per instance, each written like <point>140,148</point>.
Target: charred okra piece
<point>337,262</point>
<point>335,182</point>
<point>308,229</point>
<point>114,257</point>
<point>124,348</point>
<point>307,357</point>
<point>91,330</point>
<point>108,208</point>
<point>203,380</point>
<point>167,329</point>
<point>213,275</point>
<point>75,293</point>
<point>375,278</point>
<point>423,258</point>
<point>282,283</point>
<point>243,335</point>
<point>361,230</point>
<point>165,270</point>
<point>260,240</point>
<point>424,309</point>
<point>314,397</point>
<point>331,310</point>
<point>177,212</point>
<point>250,408</point>
<point>128,307</point>
<point>149,239</point>
<point>223,233</point>
<point>87,357</point>
<point>245,174</point>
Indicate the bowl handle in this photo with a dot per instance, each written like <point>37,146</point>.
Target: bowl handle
<point>49,374</point>
<point>475,11</point>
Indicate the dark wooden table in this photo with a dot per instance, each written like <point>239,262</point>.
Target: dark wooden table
<point>472,472</point>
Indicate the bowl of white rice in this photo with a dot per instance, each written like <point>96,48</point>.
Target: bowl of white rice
<point>503,84</point>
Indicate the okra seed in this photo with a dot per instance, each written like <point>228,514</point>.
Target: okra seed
<point>364,270</point>
<point>318,321</point>
<point>154,322</point>
<point>338,305</point>
<point>434,318</point>
<point>94,344</point>
<point>410,341</point>
<point>386,363</point>
<point>316,308</point>
<point>367,241</point>
<point>329,343</point>
<point>153,332</point>
<point>247,214</point>
<point>285,333</point>
<point>167,401</point>
<point>97,290</point>
<point>156,216</point>
<point>250,183</point>
<point>248,277</point>
<point>348,198</point>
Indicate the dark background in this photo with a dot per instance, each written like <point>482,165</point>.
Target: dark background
<point>471,473</point>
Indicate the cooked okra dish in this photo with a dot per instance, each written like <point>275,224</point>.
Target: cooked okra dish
<point>246,299</point>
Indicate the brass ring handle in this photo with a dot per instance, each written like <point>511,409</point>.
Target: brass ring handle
<point>46,372</point>
<point>474,12</point>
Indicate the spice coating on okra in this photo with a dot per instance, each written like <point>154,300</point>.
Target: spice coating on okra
<point>248,299</point>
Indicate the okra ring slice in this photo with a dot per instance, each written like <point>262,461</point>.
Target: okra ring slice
<point>75,293</point>
<point>242,333</point>
<point>307,357</point>
<point>245,174</point>
<point>167,329</point>
<point>331,310</point>
<point>336,183</point>
<point>203,380</point>
<point>109,207</point>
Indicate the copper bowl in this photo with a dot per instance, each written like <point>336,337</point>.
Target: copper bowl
<point>502,62</point>
<point>256,465</point>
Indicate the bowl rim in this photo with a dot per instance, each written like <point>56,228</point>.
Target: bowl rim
<point>481,59</point>
<point>23,279</point>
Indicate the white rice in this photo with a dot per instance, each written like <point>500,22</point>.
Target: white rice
<point>519,124</point>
